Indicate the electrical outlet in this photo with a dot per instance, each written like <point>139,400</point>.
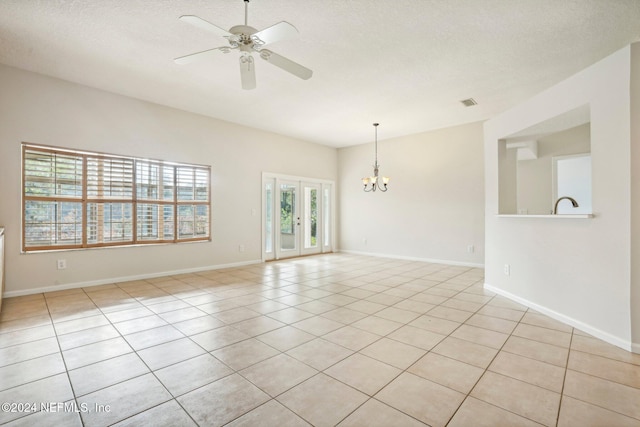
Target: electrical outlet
<point>507,270</point>
<point>470,249</point>
<point>364,241</point>
<point>61,264</point>
<point>241,248</point>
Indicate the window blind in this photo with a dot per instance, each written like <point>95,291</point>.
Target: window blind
<point>77,199</point>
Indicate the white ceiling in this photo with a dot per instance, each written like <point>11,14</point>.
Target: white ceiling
<point>403,63</point>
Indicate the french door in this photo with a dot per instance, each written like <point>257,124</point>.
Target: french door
<point>296,217</point>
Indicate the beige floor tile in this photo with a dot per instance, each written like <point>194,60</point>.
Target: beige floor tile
<point>376,414</point>
<point>272,413</point>
<point>427,298</point>
<point>526,400</point>
<point>166,354</point>
<point>367,307</point>
<point>106,373</point>
<point>529,370</point>
<point>537,350</point>
<point>290,315</point>
<point>286,338</point>
<point>235,315</point>
<point>124,400</point>
<point>492,323</point>
<point>223,401</point>
<point>481,336</point>
<point>338,300</point>
<point>574,412</point>
<point>398,315</point>
<point>268,306</point>
<point>151,337</point>
<point>377,325</point>
<point>435,324</point>
<point>448,372</point>
<point>293,299</point>
<point>30,370</point>
<point>96,352</point>
<point>198,325</point>
<point>600,392</point>
<point>22,336</point>
<point>218,338</point>
<point>352,338</point>
<point>318,325</point>
<point>317,306</point>
<point>424,400</point>
<point>140,324</point>
<point>459,304</point>
<point>182,314</point>
<point>24,323</point>
<point>190,374</point>
<point>466,351</point>
<point>87,336</point>
<point>29,350</point>
<point>258,325</point>
<point>319,353</point>
<point>477,413</point>
<point>80,324</point>
<point>344,315</point>
<point>51,389</point>
<point>541,320</point>
<point>592,345</point>
<point>609,369</point>
<point>393,352</point>
<point>545,335</point>
<point>278,374</point>
<point>450,313</point>
<point>168,414</point>
<point>363,373</point>
<point>322,401</point>
<point>245,353</point>
<point>416,337</point>
<point>218,307</point>
<point>132,313</point>
<point>501,313</point>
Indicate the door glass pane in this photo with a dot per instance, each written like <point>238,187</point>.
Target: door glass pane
<point>325,216</point>
<point>288,218</point>
<point>268,220</point>
<point>310,217</point>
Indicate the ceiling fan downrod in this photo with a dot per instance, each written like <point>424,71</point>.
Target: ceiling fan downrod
<point>246,12</point>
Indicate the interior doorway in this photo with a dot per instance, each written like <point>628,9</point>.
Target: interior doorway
<point>297,216</point>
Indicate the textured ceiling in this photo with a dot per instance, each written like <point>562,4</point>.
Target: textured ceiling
<point>403,63</point>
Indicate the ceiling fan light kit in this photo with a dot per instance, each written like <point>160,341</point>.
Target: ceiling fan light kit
<point>247,40</point>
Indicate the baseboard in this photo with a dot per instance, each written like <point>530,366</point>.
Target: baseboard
<point>604,336</point>
<point>62,287</point>
<point>408,258</point>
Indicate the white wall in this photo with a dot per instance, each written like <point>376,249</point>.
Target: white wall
<point>43,110</point>
<point>574,269</point>
<point>635,195</point>
<point>434,206</point>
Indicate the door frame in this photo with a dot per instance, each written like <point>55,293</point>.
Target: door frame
<point>323,186</point>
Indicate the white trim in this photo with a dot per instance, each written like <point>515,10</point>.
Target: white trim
<point>605,336</point>
<point>63,287</point>
<point>408,258</point>
<point>557,216</point>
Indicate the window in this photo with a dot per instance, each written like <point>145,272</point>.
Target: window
<point>74,199</point>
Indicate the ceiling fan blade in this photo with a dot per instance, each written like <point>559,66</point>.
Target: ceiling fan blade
<point>247,72</point>
<point>277,32</point>
<point>201,55</point>
<point>286,64</point>
<point>205,25</point>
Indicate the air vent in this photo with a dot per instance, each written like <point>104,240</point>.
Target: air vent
<point>469,102</point>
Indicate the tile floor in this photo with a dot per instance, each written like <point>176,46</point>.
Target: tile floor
<point>336,339</point>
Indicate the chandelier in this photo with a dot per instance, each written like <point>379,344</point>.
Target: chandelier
<point>374,180</point>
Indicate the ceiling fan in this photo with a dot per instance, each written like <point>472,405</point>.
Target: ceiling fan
<point>246,40</point>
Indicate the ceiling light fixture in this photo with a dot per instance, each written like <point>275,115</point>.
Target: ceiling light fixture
<point>373,180</point>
